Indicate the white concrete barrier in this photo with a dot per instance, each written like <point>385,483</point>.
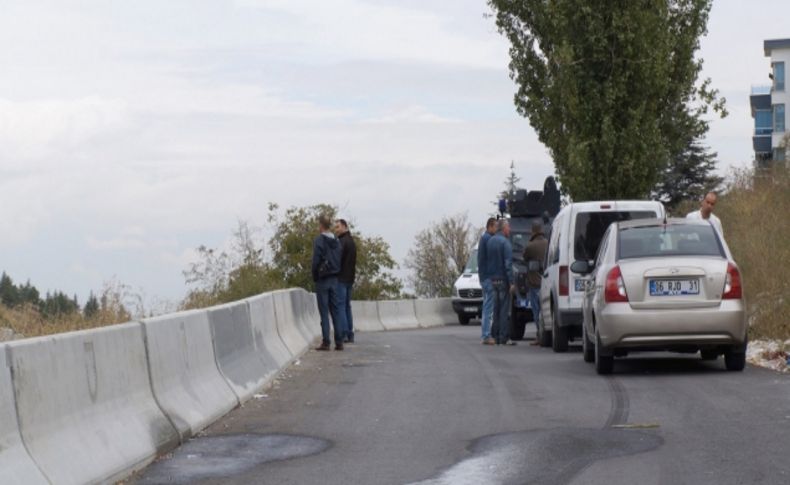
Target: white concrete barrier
<point>234,347</point>
<point>366,316</point>
<point>293,338</point>
<point>434,312</point>
<point>85,406</point>
<point>303,314</point>
<point>397,314</point>
<point>264,326</point>
<point>16,466</point>
<point>185,378</point>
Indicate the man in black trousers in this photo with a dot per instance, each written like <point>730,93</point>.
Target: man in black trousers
<point>348,268</point>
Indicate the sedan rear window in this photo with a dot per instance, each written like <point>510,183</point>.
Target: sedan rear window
<point>590,227</point>
<point>669,240</point>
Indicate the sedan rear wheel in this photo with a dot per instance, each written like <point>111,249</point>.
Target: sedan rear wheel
<point>735,359</point>
<point>604,364</point>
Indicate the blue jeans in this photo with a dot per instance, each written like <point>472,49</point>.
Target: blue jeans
<point>344,290</point>
<point>534,303</point>
<point>501,310</point>
<point>329,303</point>
<point>488,308</point>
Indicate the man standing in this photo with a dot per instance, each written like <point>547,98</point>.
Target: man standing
<point>325,268</point>
<point>348,268</point>
<point>499,253</point>
<point>705,212</point>
<point>533,257</point>
<point>485,281</point>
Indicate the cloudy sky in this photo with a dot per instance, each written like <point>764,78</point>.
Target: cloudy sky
<point>133,132</point>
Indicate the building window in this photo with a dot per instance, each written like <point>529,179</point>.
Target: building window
<point>779,118</point>
<point>779,154</point>
<point>779,76</point>
<point>763,124</point>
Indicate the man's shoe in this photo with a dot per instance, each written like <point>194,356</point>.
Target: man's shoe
<point>489,341</point>
<point>510,342</point>
<point>338,347</point>
<point>323,346</point>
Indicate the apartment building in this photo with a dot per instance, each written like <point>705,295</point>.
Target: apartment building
<point>769,105</point>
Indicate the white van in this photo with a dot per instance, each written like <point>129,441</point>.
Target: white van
<point>575,235</point>
<point>467,292</point>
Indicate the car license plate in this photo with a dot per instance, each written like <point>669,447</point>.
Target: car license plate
<point>578,284</point>
<point>674,287</point>
<point>470,309</point>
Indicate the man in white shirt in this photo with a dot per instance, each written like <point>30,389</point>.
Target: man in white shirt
<point>705,212</point>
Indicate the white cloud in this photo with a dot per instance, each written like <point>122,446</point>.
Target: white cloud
<point>411,114</point>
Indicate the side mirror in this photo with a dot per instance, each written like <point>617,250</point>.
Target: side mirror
<point>581,267</point>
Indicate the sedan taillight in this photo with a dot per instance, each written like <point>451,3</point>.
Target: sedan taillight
<point>732,284</point>
<point>614,291</point>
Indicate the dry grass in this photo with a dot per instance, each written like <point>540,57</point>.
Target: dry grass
<point>755,215</point>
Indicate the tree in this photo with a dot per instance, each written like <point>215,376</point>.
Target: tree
<point>689,177</point>
<point>440,254</point>
<point>91,306</point>
<point>510,185</point>
<point>610,89</point>
<point>9,294</point>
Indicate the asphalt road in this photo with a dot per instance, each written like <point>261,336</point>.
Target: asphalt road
<point>437,407</point>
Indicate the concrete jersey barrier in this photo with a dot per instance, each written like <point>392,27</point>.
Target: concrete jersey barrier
<point>234,347</point>
<point>434,312</point>
<point>185,378</point>
<point>264,326</point>
<point>16,466</point>
<point>303,315</point>
<point>86,410</point>
<point>292,336</point>
<point>366,316</point>
<point>397,314</point>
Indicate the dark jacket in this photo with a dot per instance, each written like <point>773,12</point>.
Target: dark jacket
<point>499,253</point>
<point>482,260</point>
<point>348,259</point>
<point>534,254</point>
<point>326,256</point>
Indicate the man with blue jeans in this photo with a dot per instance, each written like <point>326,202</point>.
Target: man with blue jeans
<point>348,269</point>
<point>534,254</point>
<point>325,268</point>
<point>499,253</point>
<point>485,282</point>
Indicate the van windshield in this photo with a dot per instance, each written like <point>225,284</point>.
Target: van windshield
<point>590,227</point>
<point>471,264</point>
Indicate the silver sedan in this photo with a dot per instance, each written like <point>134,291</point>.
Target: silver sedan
<point>661,285</point>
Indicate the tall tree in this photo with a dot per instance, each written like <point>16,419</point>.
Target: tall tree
<point>611,89</point>
<point>439,255</point>
<point>511,184</point>
<point>689,177</point>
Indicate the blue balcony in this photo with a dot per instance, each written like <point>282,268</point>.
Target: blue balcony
<point>762,143</point>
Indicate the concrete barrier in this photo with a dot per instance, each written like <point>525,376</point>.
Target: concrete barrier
<point>397,314</point>
<point>185,378</point>
<point>366,316</point>
<point>303,315</point>
<point>291,333</point>
<point>264,326</point>
<point>234,347</point>
<point>434,312</point>
<point>16,466</point>
<point>85,406</point>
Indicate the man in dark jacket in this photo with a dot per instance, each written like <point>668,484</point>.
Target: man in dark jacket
<point>534,254</point>
<point>348,271</point>
<point>499,253</point>
<point>325,268</point>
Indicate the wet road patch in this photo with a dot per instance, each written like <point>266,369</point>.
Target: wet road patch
<point>228,455</point>
<point>552,456</point>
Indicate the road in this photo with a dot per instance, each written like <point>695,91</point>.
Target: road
<point>436,407</point>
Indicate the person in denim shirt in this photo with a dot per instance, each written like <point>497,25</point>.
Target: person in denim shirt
<point>499,253</point>
<point>485,282</point>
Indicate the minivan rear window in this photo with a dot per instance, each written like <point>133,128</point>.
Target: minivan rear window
<point>672,240</point>
<point>590,227</point>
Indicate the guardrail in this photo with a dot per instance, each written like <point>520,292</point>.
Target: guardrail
<point>119,396</point>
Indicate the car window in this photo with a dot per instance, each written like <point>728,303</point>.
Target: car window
<point>471,264</point>
<point>590,227</point>
<point>670,240</point>
<point>604,246</point>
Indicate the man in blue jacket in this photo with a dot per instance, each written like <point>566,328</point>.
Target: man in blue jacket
<point>499,254</point>
<point>325,268</point>
<point>485,281</point>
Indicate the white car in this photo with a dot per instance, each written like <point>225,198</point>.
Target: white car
<point>467,292</point>
<point>663,285</point>
<point>575,235</point>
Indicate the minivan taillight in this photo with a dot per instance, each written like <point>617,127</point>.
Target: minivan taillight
<point>614,291</point>
<point>732,284</point>
<point>563,281</point>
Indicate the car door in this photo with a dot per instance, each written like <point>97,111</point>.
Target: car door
<point>550,274</point>
<point>594,282</point>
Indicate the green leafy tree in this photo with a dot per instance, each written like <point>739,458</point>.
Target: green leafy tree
<point>9,294</point>
<point>610,88</point>
<point>689,177</point>
<point>91,306</point>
